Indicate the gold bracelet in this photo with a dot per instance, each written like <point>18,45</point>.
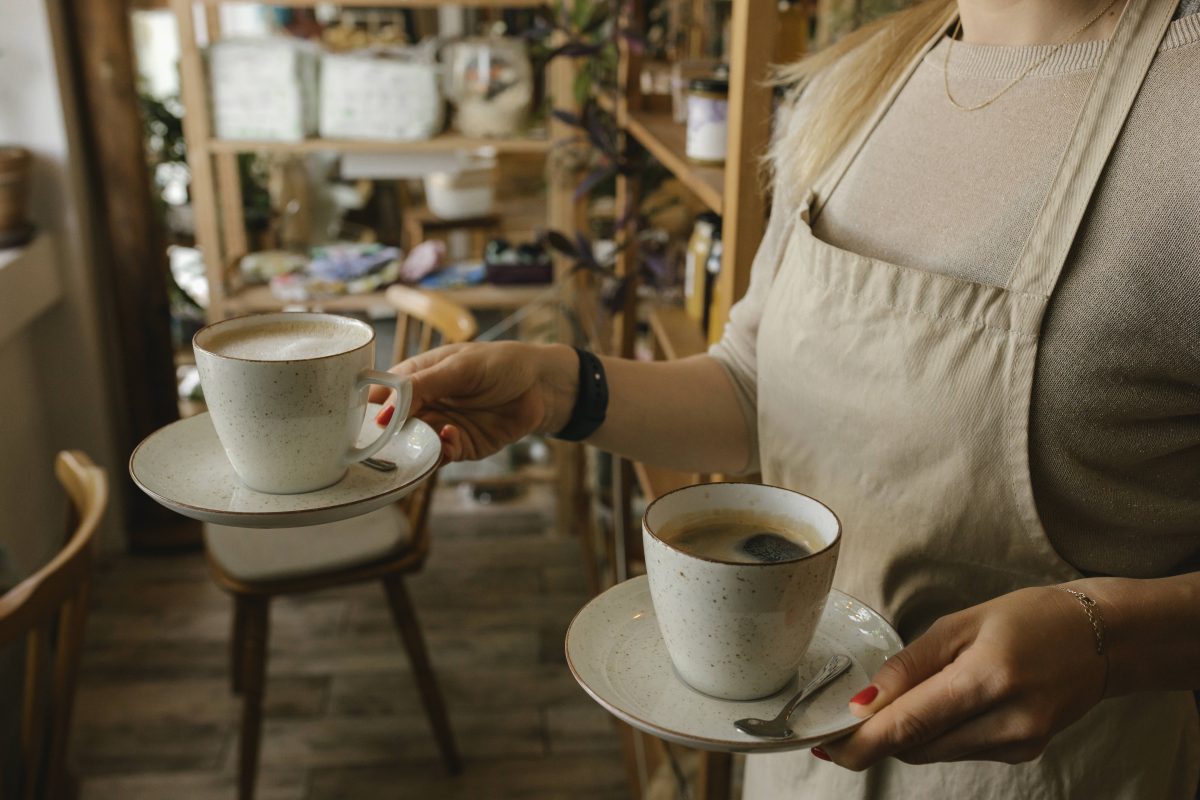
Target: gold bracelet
<point>1093,614</point>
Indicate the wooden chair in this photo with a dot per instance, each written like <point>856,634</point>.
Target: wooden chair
<point>47,612</point>
<point>385,545</point>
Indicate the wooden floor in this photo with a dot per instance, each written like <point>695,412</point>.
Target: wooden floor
<point>156,718</point>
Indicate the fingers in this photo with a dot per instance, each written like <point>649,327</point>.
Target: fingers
<point>919,694</point>
<point>914,719</point>
<point>1010,733</point>
<point>412,366</point>
<point>380,394</point>
<point>452,444</point>
<point>928,654</point>
<point>385,415</point>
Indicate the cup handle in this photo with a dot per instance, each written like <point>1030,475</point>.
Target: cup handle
<point>403,402</point>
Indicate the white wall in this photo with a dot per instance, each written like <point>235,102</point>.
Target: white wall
<point>54,392</point>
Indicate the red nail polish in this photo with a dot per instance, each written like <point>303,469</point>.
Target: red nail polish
<point>385,416</point>
<point>821,754</point>
<point>865,697</point>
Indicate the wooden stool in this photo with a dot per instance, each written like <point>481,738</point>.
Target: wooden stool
<point>420,224</point>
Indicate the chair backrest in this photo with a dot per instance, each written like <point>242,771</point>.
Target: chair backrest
<point>47,612</point>
<point>425,320</point>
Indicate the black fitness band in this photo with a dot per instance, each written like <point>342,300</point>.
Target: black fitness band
<point>591,401</point>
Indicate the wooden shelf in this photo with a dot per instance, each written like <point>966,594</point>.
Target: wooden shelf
<point>486,296</point>
<point>390,3</point>
<point>666,140</point>
<point>676,333</point>
<point>439,144</point>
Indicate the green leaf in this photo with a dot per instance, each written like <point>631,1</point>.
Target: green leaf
<point>582,87</point>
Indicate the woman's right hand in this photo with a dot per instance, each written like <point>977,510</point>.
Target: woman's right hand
<point>480,397</point>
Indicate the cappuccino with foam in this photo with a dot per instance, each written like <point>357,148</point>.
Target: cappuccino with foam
<point>287,395</point>
<point>288,340</point>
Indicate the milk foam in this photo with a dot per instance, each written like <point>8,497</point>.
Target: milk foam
<point>287,341</point>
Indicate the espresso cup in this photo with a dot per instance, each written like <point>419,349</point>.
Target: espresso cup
<point>287,393</point>
<point>738,627</point>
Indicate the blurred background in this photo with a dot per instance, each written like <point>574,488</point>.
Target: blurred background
<point>582,172</point>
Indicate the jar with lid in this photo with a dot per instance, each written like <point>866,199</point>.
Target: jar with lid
<point>707,109</point>
<point>490,81</point>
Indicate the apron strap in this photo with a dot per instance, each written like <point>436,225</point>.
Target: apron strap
<point>828,180</point>
<point>1118,79</point>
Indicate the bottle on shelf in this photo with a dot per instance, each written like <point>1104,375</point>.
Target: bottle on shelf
<point>695,280</point>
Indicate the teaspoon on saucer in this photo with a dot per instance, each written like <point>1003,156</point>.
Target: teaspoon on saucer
<point>778,728</point>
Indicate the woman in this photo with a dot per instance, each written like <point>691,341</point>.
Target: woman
<point>970,329</point>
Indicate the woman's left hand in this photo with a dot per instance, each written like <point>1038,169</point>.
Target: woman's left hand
<point>993,682</point>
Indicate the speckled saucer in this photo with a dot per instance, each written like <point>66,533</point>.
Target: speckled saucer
<point>617,654</point>
<point>184,467</point>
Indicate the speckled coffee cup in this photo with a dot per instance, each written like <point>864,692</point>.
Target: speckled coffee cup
<point>734,630</point>
<point>290,425</point>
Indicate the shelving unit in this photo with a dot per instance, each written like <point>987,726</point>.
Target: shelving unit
<point>217,205</point>
<point>666,140</point>
<point>484,297</point>
<point>733,191</point>
<point>216,190</point>
<point>443,143</point>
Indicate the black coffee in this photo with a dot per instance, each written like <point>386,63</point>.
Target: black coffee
<point>742,536</point>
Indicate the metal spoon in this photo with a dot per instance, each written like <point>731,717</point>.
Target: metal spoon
<point>778,728</point>
<point>381,464</point>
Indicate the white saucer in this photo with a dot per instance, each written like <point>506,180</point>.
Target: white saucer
<point>617,654</point>
<point>184,467</point>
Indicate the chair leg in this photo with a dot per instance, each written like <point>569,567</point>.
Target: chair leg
<point>256,622</point>
<point>431,696</point>
<point>237,645</point>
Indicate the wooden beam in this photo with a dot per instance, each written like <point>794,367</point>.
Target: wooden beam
<point>753,30</point>
<point>131,256</point>
<point>197,129</point>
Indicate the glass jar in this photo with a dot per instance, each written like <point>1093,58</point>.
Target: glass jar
<point>707,109</point>
<point>490,81</point>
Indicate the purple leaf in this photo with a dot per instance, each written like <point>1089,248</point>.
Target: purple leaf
<point>561,243</point>
<point>567,117</point>
<point>578,49</point>
<point>593,179</point>
<point>586,251</point>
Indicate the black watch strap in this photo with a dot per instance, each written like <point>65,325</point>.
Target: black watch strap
<point>591,401</point>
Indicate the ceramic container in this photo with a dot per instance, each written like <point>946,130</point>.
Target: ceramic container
<point>291,425</point>
<point>707,112</point>
<point>738,630</point>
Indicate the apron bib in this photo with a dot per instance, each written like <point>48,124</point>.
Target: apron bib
<point>901,399</point>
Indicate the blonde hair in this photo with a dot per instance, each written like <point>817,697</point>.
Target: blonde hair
<point>845,82</point>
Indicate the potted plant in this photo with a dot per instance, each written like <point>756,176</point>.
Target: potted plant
<point>15,228</point>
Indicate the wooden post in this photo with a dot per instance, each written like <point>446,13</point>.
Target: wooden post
<point>131,257</point>
<point>749,134</point>
<point>197,130</point>
<point>228,181</point>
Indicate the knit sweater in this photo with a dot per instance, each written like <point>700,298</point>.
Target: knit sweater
<point>1115,418</point>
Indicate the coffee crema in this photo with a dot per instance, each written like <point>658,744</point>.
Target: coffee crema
<point>287,341</point>
<point>742,537</point>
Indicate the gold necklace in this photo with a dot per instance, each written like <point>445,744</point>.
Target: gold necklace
<point>1024,73</point>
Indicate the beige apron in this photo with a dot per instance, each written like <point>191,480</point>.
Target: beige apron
<point>901,398</point>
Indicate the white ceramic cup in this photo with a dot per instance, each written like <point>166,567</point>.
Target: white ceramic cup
<point>290,425</point>
<point>738,630</point>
